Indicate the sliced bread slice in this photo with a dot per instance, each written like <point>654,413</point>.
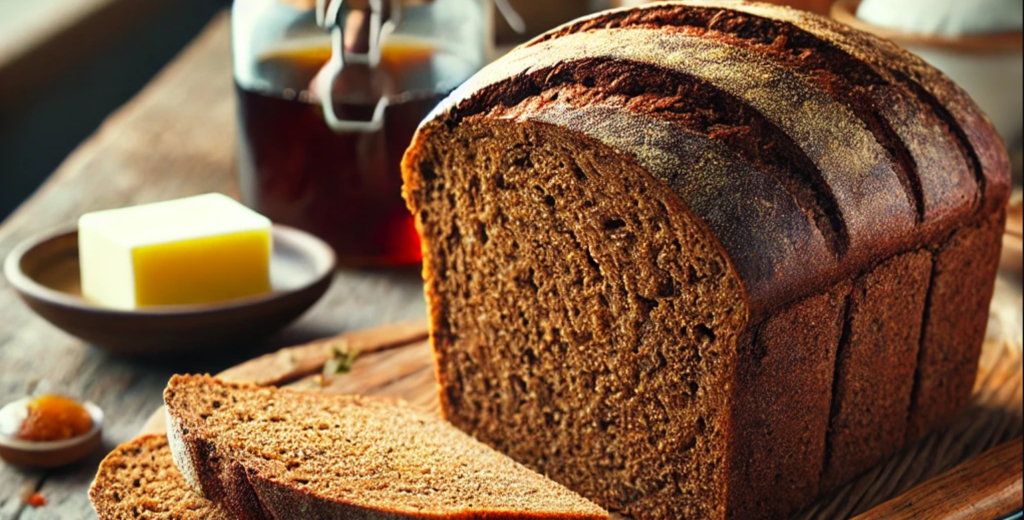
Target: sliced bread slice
<point>267,453</point>
<point>138,481</point>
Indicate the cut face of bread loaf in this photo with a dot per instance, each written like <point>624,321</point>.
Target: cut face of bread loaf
<point>138,481</point>
<point>706,259</point>
<point>278,454</point>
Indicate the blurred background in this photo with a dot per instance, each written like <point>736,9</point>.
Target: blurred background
<point>65,65</point>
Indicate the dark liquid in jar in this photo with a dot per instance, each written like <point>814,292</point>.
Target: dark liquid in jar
<point>343,187</point>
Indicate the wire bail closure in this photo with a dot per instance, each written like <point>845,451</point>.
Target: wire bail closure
<point>332,15</point>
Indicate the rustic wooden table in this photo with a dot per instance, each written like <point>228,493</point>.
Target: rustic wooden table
<point>175,139</point>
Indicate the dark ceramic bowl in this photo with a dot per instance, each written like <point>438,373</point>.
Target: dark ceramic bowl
<point>45,272</point>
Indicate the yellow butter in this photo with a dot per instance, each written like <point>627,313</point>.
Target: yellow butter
<point>199,250</point>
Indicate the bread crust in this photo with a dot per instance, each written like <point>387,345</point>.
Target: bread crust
<point>783,402</point>
<point>918,93</point>
<point>884,317</point>
<point>984,146</point>
<point>963,281</point>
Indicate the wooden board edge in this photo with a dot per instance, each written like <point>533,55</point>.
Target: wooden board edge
<point>299,364</point>
<point>985,488</point>
<point>294,363</point>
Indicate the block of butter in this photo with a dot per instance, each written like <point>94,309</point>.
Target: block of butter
<point>191,251</point>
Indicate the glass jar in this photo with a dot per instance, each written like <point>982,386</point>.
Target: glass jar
<point>330,94</point>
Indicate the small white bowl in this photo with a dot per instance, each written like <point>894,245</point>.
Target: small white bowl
<point>48,454</point>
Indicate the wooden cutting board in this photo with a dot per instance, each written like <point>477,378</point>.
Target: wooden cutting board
<point>927,481</point>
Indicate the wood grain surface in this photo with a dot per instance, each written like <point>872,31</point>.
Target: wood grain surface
<point>175,139</point>
<point>986,488</point>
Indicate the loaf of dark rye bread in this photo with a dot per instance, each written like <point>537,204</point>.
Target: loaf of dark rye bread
<point>270,454</point>
<point>138,481</point>
<point>706,259</point>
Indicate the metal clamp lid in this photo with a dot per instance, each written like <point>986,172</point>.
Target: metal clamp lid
<point>385,15</point>
<point>332,15</point>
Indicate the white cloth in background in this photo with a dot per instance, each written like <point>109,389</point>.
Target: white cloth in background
<point>944,17</point>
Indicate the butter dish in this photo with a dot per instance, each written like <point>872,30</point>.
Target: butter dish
<point>45,272</point>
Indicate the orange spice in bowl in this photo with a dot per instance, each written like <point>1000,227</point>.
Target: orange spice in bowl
<point>54,418</point>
